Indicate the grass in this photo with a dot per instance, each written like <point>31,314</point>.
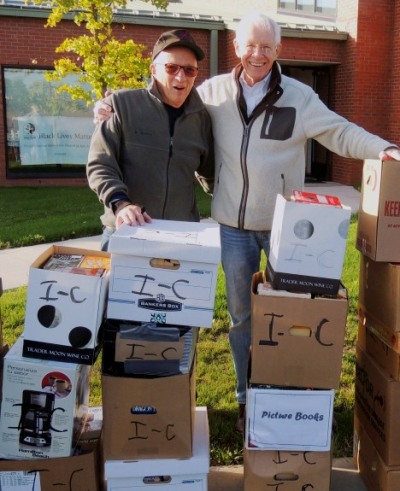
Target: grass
<point>38,215</point>
<point>215,374</point>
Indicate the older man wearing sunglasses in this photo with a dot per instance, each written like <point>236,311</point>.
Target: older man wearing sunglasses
<point>143,160</point>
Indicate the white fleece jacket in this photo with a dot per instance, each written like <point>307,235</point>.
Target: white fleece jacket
<point>258,157</point>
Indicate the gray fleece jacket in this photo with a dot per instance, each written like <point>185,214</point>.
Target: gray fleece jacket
<point>133,154</point>
<point>259,156</point>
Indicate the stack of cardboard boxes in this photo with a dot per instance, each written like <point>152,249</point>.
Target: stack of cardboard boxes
<point>45,379</point>
<point>144,303</point>
<point>377,385</point>
<point>162,290</point>
<point>299,311</point>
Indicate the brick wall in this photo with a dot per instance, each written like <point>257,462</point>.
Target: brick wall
<point>25,42</point>
<point>365,83</point>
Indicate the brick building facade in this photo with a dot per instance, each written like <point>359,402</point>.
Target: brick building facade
<point>353,67</point>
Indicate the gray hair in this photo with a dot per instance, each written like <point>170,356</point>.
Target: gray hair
<point>257,19</point>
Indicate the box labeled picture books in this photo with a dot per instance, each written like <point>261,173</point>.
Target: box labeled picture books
<point>289,419</point>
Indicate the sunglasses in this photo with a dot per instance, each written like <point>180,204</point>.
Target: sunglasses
<point>173,69</point>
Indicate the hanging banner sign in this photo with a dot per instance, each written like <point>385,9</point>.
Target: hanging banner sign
<point>54,139</point>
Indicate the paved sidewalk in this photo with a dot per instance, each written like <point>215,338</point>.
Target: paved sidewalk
<point>14,263</point>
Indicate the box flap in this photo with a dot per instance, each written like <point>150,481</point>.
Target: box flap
<point>189,241</point>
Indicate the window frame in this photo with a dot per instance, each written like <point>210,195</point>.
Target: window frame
<point>299,11</point>
<point>12,156</point>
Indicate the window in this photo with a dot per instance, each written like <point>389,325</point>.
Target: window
<point>323,7</point>
<point>48,134</point>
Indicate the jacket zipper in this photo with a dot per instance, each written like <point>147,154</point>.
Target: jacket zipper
<point>171,147</point>
<point>245,175</point>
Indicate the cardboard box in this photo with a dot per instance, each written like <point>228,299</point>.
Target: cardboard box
<point>377,406</point>
<point>379,298</point>
<point>382,354</point>
<point>148,418</point>
<point>174,474</point>
<point>43,402</point>
<point>92,424</point>
<point>297,341</point>
<point>77,473</point>
<point>290,471</point>
<point>376,475</point>
<point>378,235</point>
<point>64,311</point>
<point>164,272</point>
<point>289,419</point>
<point>147,349</point>
<point>308,243</point>
<point>384,333</point>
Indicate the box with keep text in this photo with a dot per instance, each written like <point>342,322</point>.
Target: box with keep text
<point>308,244</point>
<point>164,272</point>
<point>378,226</point>
<point>66,299</point>
<point>297,340</point>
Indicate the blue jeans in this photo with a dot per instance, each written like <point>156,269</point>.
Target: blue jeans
<point>240,257</point>
<point>105,238</point>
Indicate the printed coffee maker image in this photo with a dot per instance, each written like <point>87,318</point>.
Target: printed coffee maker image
<point>37,409</point>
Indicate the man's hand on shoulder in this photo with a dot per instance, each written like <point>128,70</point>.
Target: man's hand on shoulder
<point>101,110</point>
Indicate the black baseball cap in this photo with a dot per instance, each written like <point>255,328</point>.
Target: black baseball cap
<point>177,37</point>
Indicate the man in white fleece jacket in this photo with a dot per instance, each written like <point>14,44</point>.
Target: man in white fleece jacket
<point>261,123</point>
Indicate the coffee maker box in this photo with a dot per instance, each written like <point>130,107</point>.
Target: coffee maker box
<point>65,304</point>
<point>308,244</point>
<point>42,406</point>
<point>164,272</point>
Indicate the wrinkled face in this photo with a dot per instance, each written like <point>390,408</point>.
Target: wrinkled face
<point>257,52</point>
<point>174,89</point>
